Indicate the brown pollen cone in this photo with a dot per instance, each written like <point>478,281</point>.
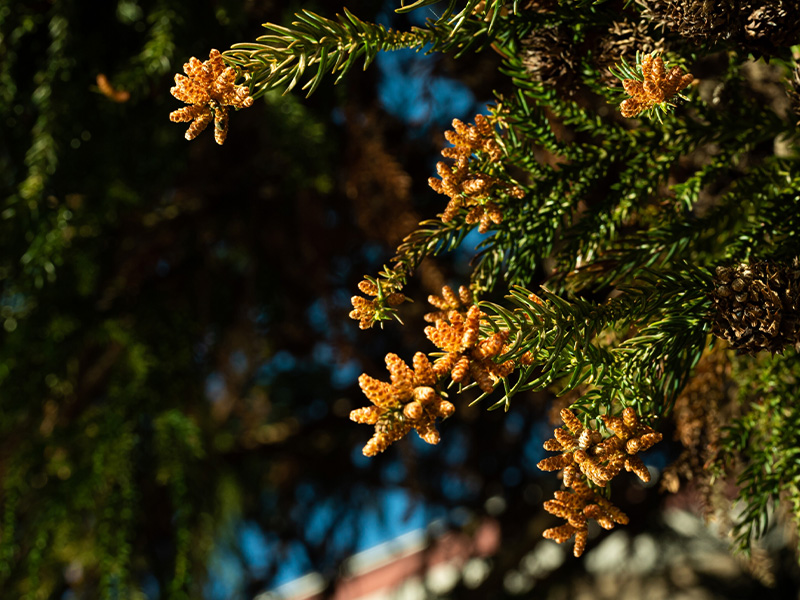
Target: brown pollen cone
<point>447,301</point>
<point>630,437</point>
<point>582,447</point>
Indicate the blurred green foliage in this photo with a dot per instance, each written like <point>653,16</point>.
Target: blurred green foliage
<point>134,270</point>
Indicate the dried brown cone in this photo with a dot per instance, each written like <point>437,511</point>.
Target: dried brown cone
<point>698,424</point>
<point>210,90</point>
<point>696,410</point>
<point>551,56</point>
<point>695,20</point>
<point>622,41</point>
<point>761,26</point>
<point>772,25</point>
<point>757,307</point>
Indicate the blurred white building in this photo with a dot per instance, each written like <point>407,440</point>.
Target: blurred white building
<point>404,568</point>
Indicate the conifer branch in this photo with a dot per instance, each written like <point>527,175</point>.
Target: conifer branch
<point>480,9</point>
<point>280,58</point>
<point>669,308</point>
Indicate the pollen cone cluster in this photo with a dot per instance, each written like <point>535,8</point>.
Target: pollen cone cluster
<point>622,41</point>
<point>409,401</point>
<point>551,56</point>
<point>757,306</point>
<point>208,87</point>
<point>600,460</point>
<point>659,86</point>
<point>630,437</point>
<point>465,356</point>
<point>583,452</point>
<point>365,310</point>
<point>472,191</point>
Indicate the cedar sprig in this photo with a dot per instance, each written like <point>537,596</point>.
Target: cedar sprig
<point>488,11</point>
<point>386,296</point>
<point>431,238</point>
<point>567,342</point>
<point>759,446</point>
<point>280,58</point>
<point>650,86</point>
